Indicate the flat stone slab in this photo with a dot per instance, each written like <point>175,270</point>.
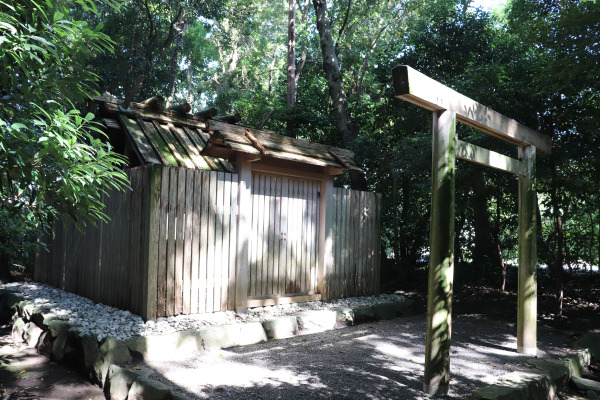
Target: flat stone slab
<point>590,341</point>
<point>184,345</point>
<point>364,314</point>
<point>281,328</point>
<point>584,384</point>
<point>316,321</point>
<point>502,392</point>
<point>577,361</point>
<point>557,370</point>
<point>539,385</point>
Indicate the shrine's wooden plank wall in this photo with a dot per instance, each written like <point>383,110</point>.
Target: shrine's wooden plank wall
<point>170,245</point>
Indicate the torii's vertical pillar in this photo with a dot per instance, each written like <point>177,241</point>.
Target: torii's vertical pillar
<point>527,300</point>
<point>441,258</point>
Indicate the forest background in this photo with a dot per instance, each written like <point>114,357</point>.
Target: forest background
<point>325,70</point>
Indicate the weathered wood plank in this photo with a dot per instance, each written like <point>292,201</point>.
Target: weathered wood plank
<point>343,236</point>
<point>255,274</point>
<point>339,246</point>
<point>479,155</point>
<point>283,248</point>
<point>180,238</point>
<point>158,143</point>
<point>351,261</point>
<point>323,211</point>
<point>226,242</point>
<point>313,233</point>
<point>188,243</point>
<point>329,219</point>
<point>377,246</point>
<point>197,140</point>
<point>211,242</point>
<point>243,223</point>
<point>134,241</point>
<point>363,245</point>
<point>263,226</point>
<point>277,262</point>
<point>145,148</point>
<point>232,241</point>
<point>306,235</point>
<point>272,240</point>
<point>204,242</point>
<point>195,244</point>
<point>293,212</point>
<point>417,88</point>
<point>327,276</point>
<point>104,263</point>
<point>219,231</point>
<point>163,240</point>
<point>174,146</point>
<point>189,147</point>
<point>120,270</point>
<point>171,243</point>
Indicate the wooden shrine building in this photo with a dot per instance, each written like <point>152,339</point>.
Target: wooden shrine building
<point>219,217</point>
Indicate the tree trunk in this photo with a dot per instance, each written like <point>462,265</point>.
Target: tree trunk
<point>559,265</point>
<point>484,255</point>
<point>497,245</point>
<point>396,244</point>
<point>500,259</point>
<point>331,67</point>
<point>458,253</point>
<point>173,67</point>
<point>598,263</point>
<point>291,55</point>
<point>272,69</point>
<point>558,229</point>
<point>5,276</point>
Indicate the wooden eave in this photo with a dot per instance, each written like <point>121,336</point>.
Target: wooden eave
<point>419,89</point>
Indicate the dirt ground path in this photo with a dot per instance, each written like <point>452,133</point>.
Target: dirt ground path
<point>378,360</point>
<point>25,374</point>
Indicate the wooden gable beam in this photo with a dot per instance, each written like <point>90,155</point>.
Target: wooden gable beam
<point>419,89</point>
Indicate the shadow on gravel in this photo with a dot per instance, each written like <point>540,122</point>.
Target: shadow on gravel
<point>380,360</point>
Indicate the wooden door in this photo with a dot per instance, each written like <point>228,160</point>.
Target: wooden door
<point>283,244</point>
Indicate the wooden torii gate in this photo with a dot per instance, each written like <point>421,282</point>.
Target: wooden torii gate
<point>449,106</point>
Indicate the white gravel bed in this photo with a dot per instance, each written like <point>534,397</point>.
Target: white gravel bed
<point>90,318</point>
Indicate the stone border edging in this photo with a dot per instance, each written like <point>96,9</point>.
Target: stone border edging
<point>104,362</point>
<point>543,382</point>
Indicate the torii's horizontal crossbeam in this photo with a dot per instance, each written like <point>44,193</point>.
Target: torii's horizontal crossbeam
<point>419,89</point>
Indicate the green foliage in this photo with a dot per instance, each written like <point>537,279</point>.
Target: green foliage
<point>44,53</point>
<point>150,39</point>
<point>53,161</point>
<point>535,61</point>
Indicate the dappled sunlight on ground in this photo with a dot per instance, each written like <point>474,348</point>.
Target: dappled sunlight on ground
<point>372,361</point>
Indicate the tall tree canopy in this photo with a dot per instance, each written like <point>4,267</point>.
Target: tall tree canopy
<point>535,61</point>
